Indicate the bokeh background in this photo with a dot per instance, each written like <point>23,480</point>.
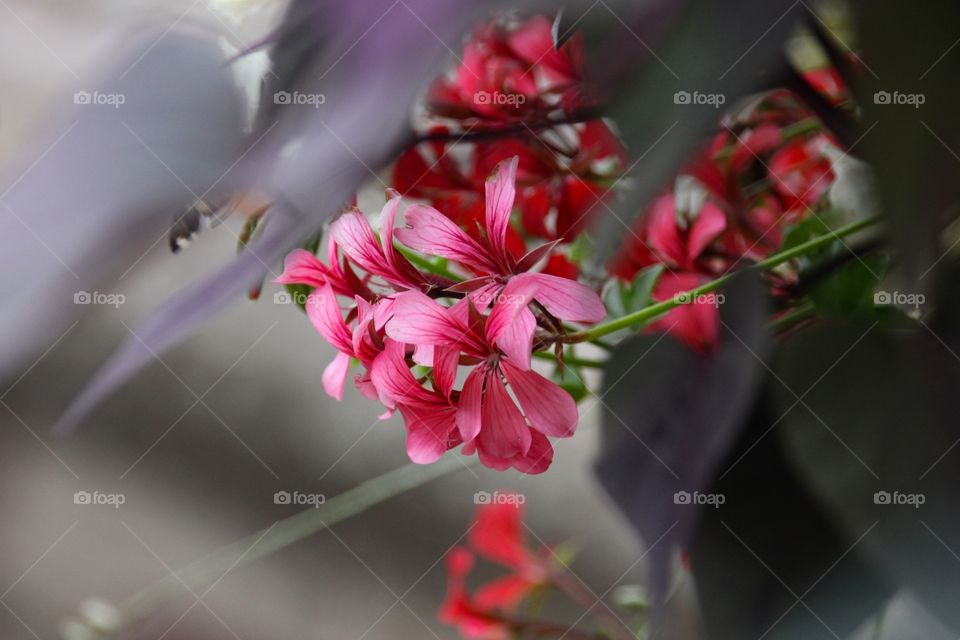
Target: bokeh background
<point>200,473</point>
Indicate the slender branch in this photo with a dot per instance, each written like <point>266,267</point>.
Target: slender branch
<point>211,568</point>
<point>574,590</point>
<point>655,310</point>
<point>510,130</point>
<point>571,360</point>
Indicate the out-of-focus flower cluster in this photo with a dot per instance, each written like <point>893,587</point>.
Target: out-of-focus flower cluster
<point>489,611</point>
<point>769,167</point>
<point>516,93</point>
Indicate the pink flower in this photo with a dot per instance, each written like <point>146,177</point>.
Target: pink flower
<point>433,233</point>
<point>356,239</point>
<point>504,433</point>
<point>325,314</point>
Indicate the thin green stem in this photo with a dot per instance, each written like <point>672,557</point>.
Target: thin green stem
<point>208,570</point>
<point>655,310</point>
<point>573,361</point>
<point>795,315</point>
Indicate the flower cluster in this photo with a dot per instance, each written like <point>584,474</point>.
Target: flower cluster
<point>414,333</point>
<point>768,168</point>
<point>516,93</point>
<point>488,612</point>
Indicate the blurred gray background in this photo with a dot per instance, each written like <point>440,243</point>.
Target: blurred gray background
<point>198,475</point>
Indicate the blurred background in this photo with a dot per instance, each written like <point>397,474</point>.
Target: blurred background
<point>198,474</point>
<point>198,443</point>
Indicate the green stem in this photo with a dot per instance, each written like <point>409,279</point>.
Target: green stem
<point>789,132</point>
<point>211,568</point>
<point>573,361</point>
<point>795,315</point>
<point>655,310</point>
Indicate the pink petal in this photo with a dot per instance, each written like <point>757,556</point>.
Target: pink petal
<point>429,231</point>
<point>324,313</point>
<point>423,354</point>
<point>382,310</point>
<point>468,409</point>
<point>335,375</point>
<point>302,267</point>
<point>549,408</point>
<point>428,431</point>
<point>500,194</point>
<point>417,319</point>
<point>709,224</point>
<point>353,234</point>
<point>504,433</point>
<point>394,381</point>
<point>566,299</point>
<point>387,217</point>
<point>445,362</point>
<point>516,339</point>
<point>538,459</point>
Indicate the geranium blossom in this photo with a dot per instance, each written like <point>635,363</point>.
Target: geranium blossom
<point>394,320</point>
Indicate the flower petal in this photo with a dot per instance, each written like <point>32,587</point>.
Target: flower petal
<point>324,313</point>
<point>549,408</point>
<point>497,535</point>
<point>516,339</point>
<point>538,459</point>
<point>417,319</point>
<point>504,593</point>
<point>428,431</point>
<point>302,267</point>
<point>500,194</point>
<point>335,375</point>
<point>505,433</point>
<point>565,299</point>
<point>429,231</point>
<point>709,224</point>
<point>468,409</point>
<point>394,381</point>
<point>445,362</point>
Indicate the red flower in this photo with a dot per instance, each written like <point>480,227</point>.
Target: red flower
<point>496,535</point>
<point>801,173</point>
<point>511,72</point>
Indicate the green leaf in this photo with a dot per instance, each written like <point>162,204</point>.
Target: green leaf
<point>571,381</point>
<point>622,298</point>
<point>849,290</point>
